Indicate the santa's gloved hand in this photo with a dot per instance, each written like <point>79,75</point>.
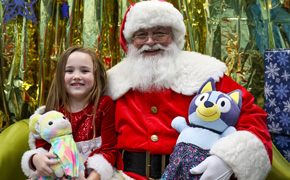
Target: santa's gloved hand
<point>213,168</point>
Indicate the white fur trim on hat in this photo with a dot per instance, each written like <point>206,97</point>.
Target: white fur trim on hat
<point>148,14</point>
<point>245,154</point>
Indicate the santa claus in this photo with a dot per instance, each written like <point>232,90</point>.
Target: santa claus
<point>156,82</point>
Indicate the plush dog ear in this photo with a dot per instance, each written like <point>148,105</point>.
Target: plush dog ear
<point>237,97</point>
<point>207,86</point>
<point>33,123</point>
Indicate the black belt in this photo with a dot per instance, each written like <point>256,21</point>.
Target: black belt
<point>145,164</point>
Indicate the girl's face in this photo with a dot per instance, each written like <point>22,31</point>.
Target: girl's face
<point>79,77</point>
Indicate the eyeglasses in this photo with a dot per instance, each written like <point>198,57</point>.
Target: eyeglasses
<point>157,37</point>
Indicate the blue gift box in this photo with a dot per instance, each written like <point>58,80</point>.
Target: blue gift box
<point>277,98</point>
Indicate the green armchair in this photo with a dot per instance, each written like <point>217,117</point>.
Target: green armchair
<point>280,167</point>
<point>14,142</point>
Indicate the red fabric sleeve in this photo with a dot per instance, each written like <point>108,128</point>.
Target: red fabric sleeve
<point>252,117</point>
<point>108,132</point>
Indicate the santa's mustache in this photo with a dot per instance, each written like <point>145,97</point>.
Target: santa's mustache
<point>151,48</point>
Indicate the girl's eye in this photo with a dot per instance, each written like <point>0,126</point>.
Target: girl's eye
<point>69,70</point>
<point>85,71</point>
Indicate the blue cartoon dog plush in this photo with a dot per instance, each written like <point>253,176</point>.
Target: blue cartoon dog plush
<point>212,115</point>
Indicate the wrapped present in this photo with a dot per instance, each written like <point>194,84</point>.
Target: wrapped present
<point>277,98</point>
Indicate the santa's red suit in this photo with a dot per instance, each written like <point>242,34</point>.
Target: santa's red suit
<point>143,120</point>
<point>143,116</point>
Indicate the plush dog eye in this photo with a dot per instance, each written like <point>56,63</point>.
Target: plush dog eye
<point>224,104</point>
<point>63,117</point>
<point>50,123</point>
<point>201,98</point>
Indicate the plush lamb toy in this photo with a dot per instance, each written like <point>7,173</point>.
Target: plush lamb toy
<point>56,129</point>
<point>212,115</point>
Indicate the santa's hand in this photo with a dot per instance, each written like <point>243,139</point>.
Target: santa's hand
<point>213,168</point>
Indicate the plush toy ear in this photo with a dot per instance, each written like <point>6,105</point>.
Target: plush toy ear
<point>33,123</point>
<point>207,86</point>
<point>237,97</point>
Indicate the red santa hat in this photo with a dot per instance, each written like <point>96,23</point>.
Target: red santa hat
<point>148,14</point>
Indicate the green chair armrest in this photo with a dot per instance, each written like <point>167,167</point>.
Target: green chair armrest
<point>13,142</point>
<point>280,167</point>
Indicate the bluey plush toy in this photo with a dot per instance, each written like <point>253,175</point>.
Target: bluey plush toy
<point>212,115</point>
<point>56,129</point>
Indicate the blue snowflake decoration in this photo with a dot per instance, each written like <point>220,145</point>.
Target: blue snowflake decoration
<point>64,9</point>
<point>277,97</point>
<point>19,7</point>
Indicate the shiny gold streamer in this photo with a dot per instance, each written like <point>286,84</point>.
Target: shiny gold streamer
<point>29,51</point>
<point>195,20</point>
<point>4,121</point>
<point>47,32</point>
<point>92,23</point>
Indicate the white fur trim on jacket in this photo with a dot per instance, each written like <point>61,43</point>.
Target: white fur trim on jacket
<point>26,160</point>
<point>101,165</point>
<point>105,169</point>
<point>148,14</point>
<point>245,154</point>
<point>193,69</point>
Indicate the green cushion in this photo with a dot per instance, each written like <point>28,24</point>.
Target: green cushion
<point>280,167</point>
<point>13,143</point>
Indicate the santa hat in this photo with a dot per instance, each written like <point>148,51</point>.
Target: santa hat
<point>148,14</point>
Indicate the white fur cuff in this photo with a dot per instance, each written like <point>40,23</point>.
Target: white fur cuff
<point>245,154</point>
<point>101,165</point>
<point>25,162</point>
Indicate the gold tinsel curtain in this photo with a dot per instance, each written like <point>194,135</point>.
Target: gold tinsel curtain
<point>237,32</point>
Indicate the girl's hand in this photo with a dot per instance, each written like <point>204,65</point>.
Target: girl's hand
<point>81,177</point>
<point>64,178</point>
<point>94,176</point>
<point>42,163</point>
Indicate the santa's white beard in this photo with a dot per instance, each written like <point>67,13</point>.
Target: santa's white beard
<point>151,73</point>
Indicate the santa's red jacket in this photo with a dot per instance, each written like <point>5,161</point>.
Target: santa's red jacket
<point>143,120</point>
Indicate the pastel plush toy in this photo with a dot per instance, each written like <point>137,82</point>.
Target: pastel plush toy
<point>212,115</point>
<point>56,129</point>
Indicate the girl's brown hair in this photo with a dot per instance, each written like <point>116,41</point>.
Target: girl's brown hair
<point>57,96</point>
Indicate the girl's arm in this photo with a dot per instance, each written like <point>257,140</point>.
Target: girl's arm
<point>94,176</point>
<point>103,159</point>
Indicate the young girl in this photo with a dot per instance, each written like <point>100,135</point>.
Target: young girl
<point>76,91</point>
